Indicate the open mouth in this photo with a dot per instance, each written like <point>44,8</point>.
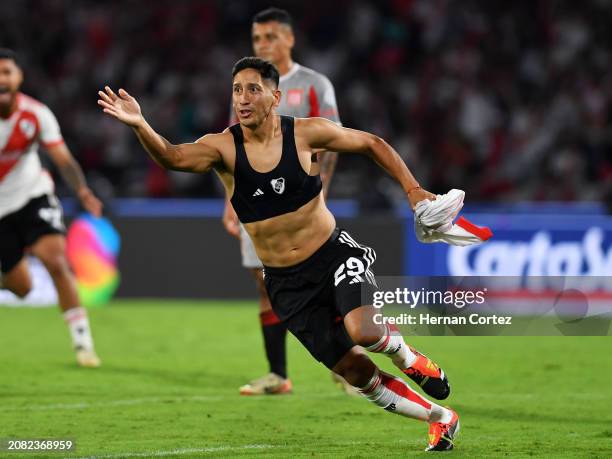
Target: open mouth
<point>245,113</point>
<point>5,94</point>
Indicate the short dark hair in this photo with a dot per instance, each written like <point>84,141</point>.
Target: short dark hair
<point>273,14</point>
<point>6,53</point>
<point>265,68</point>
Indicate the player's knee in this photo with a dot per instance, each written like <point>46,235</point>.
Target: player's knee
<point>261,288</point>
<point>264,299</point>
<point>22,289</point>
<point>356,368</point>
<point>362,335</point>
<point>361,327</point>
<point>17,281</point>
<point>265,305</point>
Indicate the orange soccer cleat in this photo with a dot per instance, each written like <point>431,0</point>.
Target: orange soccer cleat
<point>441,435</point>
<point>429,376</point>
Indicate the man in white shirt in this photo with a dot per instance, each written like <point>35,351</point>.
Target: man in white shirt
<point>31,219</point>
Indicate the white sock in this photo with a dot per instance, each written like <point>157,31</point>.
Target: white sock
<point>394,395</point>
<point>78,324</point>
<point>392,344</point>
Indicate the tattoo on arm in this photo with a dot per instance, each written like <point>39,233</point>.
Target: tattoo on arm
<point>327,165</point>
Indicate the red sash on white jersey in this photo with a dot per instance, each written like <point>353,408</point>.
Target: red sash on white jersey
<point>25,131</point>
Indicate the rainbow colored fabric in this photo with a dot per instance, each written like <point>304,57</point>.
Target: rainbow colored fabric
<point>92,246</point>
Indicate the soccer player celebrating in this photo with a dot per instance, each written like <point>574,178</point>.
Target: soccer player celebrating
<point>314,272</point>
<point>304,93</point>
<point>30,214</point>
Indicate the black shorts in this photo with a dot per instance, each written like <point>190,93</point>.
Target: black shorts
<point>22,228</point>
<point>312,297</point>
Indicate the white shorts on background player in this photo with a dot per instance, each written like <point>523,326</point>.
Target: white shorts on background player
<point>247,249</point>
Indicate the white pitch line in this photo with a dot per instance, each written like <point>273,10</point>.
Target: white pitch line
<point>177,452</point>
<point>150,400</point>
<point>215,449</point>
<point>84,405</point>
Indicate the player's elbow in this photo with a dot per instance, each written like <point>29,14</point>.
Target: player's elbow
<point>373,143</point>
<point>375,140</point>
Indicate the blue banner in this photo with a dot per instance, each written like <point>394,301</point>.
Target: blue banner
<point>523,244</point>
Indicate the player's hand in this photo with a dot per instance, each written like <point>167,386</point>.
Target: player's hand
<point>122,106</point>
<point>230,220</point>
<point>89,201</point>
<point>418,195</point>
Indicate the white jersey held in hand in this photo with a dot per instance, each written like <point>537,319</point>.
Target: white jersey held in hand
<point>433,221</point>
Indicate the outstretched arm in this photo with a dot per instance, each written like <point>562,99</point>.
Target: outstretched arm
<point>322,133</point>
<point>199,156</point>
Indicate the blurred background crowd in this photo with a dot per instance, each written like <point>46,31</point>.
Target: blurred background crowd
<point>510,101</point>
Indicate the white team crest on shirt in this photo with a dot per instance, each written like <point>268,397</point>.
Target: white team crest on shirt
<point>278,185</point>
<point>27,127</point>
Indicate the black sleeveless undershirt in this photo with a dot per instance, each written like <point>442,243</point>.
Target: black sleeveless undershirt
<point>258,196</point>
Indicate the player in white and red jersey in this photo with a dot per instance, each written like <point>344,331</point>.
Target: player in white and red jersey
<point>30,214</point>
<point>305,93</point>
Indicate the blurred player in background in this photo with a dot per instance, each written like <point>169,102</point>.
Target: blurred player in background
<point>305,93</point>
<point>314,272</point>
<point>30,214</point>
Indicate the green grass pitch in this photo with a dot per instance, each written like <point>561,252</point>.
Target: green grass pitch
<point>171,371</point>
